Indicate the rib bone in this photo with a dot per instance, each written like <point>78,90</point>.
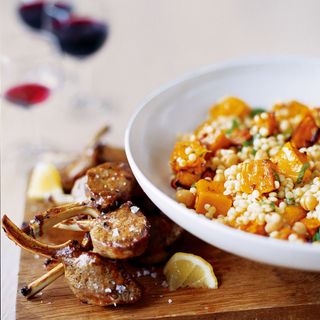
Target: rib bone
<point>39,284</point>
<point>28,243</point>
<point>43,222</point>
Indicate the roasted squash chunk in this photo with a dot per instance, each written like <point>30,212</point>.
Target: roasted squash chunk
<point>292,163</point>
<point>267,122</point>
<point>230,106</point>
<point>216,141</point>
<point>293,214</point>
<point>253,227</point>
<point>312,225</point>
<point>258,175</point>
<point>204,185</point>
<point>221,202</point>
<point>306,134</point>
<point>285,111</point>
<point>188,156</point>
<point>184,179</point>
<point>239,136</point>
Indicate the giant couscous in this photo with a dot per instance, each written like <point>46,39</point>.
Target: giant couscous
<point>254,170</point>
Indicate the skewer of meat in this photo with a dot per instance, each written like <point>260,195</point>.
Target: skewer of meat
<point>92,278</point>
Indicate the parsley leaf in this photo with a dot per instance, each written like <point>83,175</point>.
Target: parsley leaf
<point>302,172</point>
<point>247,143</point>
<point>290,201</point>
<point>235,125</point>
<point>276,175</point>
<point>256,111</point>
<point>316,236</point>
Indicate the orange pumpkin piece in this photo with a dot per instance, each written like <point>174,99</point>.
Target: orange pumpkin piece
<point>292,109</point>
<point>312,225</point>
<point>257,175</point>
<point>230,106</point>
<point>292,163</point>
<point>219,141</point>
<point>292,214</point>
<point>266,120</point>
<point>315,112</point>
<point>188,155</point>
<point>185,179</point>
<point>284,233</point>
<point>221,202</point>
<point>306,134</point>
<point>254,228</point>
<point>204,185</point>
<point>239,136</point>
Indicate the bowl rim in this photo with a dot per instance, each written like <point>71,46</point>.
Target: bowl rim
<point>138,172</point>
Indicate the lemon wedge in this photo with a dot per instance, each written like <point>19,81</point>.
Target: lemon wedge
<point>188,270</point>
<point>45,181</point>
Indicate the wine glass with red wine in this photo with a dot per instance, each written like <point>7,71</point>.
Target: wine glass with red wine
<point>30,79</point>
<point>31,12</point>
<point>79,36</point>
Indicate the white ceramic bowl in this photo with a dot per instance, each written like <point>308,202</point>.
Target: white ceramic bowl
<point>180,106</point>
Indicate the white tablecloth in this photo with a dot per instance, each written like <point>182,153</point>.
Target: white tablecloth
<point>150,43</point>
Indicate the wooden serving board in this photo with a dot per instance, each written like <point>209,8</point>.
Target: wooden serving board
<point>247,290</point>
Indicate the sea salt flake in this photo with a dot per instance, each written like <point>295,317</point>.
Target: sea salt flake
<point>153,275</point>
<point>169,300</point>
<point>146,272</point>
<point>134,209</point>
<point>164,284</point>
<point>121,288</point>
<point>115,232</point>
<point>107,290</point>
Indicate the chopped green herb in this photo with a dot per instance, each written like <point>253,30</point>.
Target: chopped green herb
<point>254,152</point>
<point>302,172</point>
<point>248,143</point>
<point>257,136</point>
<point>275,173</point>
<point>272,205</point>
<point>316,236</point>
<point>256,111</point>
<point>290,201</point>
<point>287,133</point>
<point>235,125</point>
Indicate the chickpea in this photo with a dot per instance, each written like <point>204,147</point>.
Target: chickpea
<point>274,223</point>
<point>186,197</point>
<point>308,202</point>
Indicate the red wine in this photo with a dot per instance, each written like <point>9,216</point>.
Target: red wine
<point>27,94</point>
<point>81,37</point>
<point>32,13</point>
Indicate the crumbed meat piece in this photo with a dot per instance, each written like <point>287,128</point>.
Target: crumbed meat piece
<point>96,280</point>
<point>91,157</point>
<point>120,234</point>
<point>110,184</point>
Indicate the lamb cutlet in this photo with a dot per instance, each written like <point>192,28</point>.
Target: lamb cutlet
<point>92,278</point>
<point>119,234</point>
<point>95,153</point>
<point>105,186</point>
<point>110,184</point>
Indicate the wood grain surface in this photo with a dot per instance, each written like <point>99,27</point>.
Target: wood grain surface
<point>247,290</point>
